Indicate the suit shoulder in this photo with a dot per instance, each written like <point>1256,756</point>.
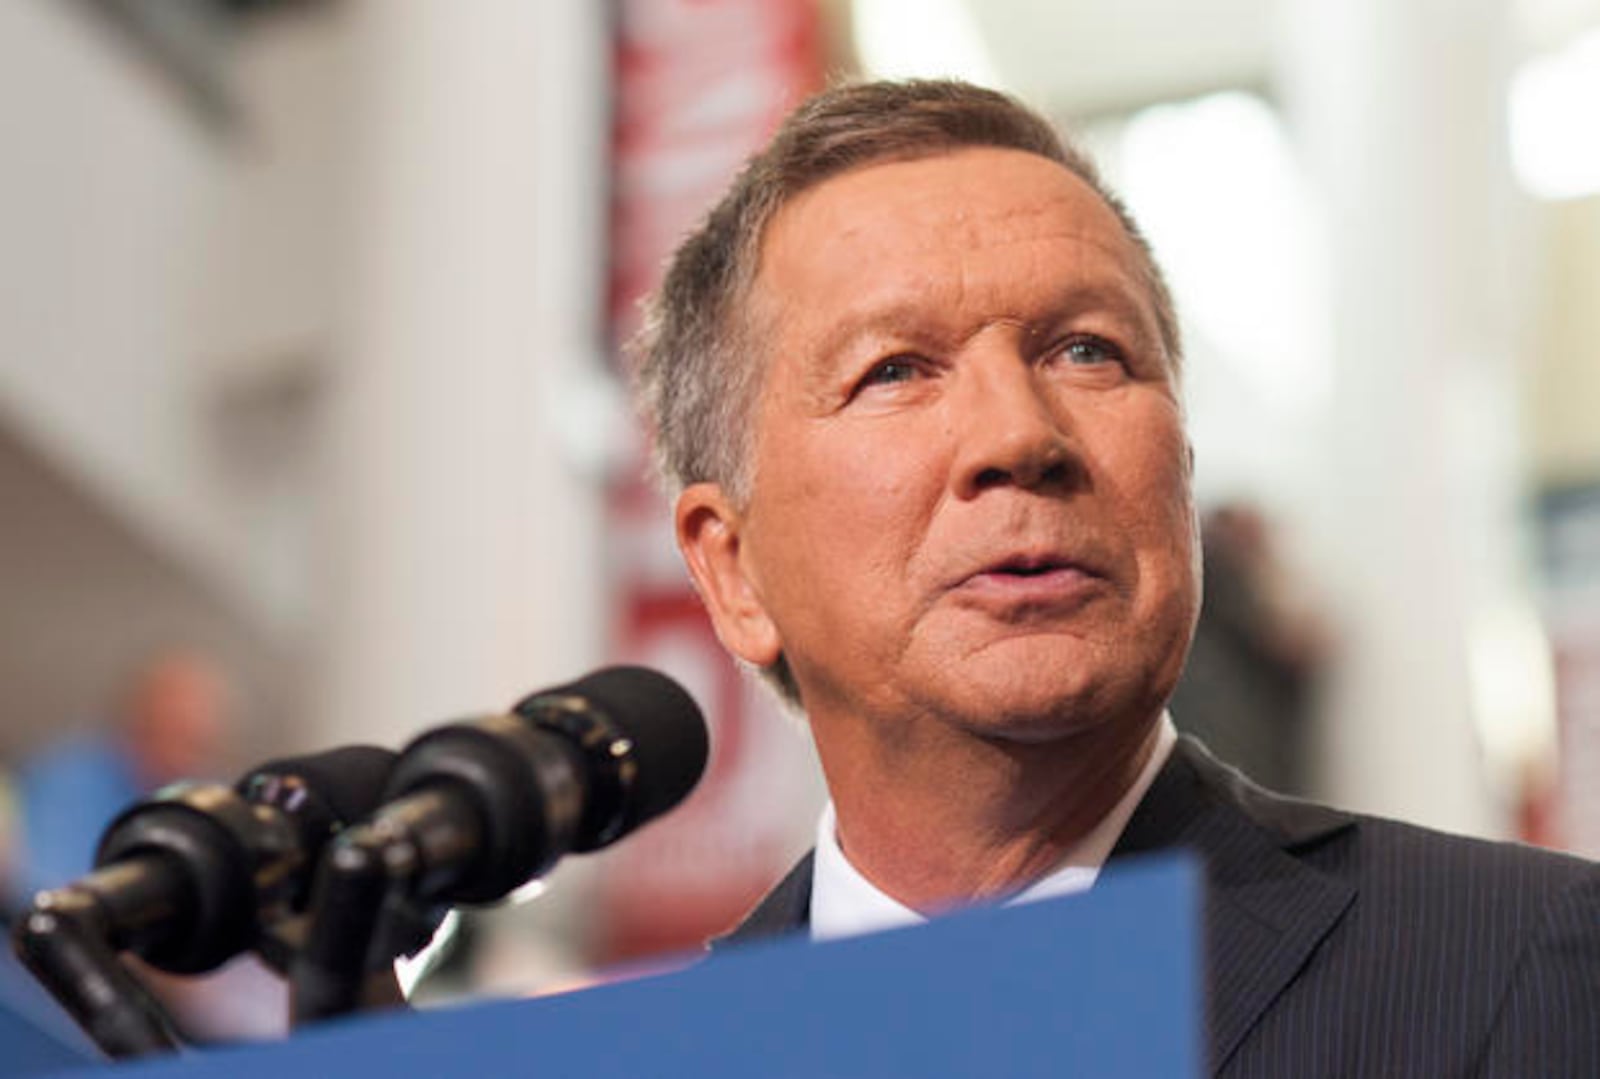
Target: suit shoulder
<point>1406,870</point>
<point>1441,879</point>
<point>1380,848</point>
<point>1401,844</point>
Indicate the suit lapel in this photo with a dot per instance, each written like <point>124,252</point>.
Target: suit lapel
<point>1266,910</point>
<point>786,909</point>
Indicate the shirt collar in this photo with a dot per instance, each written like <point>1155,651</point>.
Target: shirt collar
<point>845,903</point>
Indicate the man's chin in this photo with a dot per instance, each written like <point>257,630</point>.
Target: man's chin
<point>1028,693</point>
<point>1036,713</point>
<point>1046,684</point>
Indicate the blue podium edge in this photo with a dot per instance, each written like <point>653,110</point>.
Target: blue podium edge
<point>1102,983</point>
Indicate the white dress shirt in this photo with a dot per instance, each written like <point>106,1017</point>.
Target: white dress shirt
<point>845,903</point>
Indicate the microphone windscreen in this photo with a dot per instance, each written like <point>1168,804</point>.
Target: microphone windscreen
<point>349,780</point>
<point>670,744</point>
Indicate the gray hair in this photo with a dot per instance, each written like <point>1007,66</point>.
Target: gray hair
<point>698,373</point>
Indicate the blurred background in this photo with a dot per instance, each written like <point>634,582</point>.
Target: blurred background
<point>313,428</point>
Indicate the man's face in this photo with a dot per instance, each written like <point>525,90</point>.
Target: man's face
<point>970,484</point>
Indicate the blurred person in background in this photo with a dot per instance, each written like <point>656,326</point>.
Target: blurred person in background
<point>171,721</point>
<point>1248,687</point>
<point>915,385</point>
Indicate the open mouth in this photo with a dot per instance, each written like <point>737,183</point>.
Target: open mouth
<point>1031,567</point>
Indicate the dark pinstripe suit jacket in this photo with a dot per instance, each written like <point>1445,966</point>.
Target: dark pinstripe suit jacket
<point>1343,945</point>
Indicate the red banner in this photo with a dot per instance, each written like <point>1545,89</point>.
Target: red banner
<point>700,84</point>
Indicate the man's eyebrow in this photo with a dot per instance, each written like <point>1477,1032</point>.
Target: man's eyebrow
<point>908,316</point>
<point>1131,301</point>
<point>902,317</point>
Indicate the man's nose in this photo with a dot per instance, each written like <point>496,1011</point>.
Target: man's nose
<point>1011,431</point>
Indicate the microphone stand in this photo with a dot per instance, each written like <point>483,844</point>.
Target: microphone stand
<point>64,940</point>
<point>365,911</point>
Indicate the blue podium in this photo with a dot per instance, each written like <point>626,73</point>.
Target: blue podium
<point>1102,984</point>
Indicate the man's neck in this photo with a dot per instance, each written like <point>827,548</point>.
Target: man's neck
<point>1023,810</point>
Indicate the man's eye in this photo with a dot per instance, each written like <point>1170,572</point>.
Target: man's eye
<point>890,371</point>
<point>1089,349</point>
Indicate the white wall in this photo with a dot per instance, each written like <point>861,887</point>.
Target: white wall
<point>109,187</point>
<point>461,557</point>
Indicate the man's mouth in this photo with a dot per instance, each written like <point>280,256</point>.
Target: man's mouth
<point>1035,580</point>
<point>1038,565</point>
<point>1030,567</point>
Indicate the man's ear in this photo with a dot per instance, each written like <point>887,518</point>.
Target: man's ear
<point>709,535</point>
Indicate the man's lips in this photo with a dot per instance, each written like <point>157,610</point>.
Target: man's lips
<point>1041,562</point>
<point>1034,579</point>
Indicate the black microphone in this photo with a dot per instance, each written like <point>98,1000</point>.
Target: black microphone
<point>186,881</point>
<point>488,804</point>
<point>186,878</point>
<point>479,807</point>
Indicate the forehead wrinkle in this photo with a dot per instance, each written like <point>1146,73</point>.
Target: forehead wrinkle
<point>909,314</point>
<point>905,315</point>
<point>903,307</point>
<point>1075,221</point>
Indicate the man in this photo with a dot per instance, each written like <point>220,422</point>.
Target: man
<point>915,385</point>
